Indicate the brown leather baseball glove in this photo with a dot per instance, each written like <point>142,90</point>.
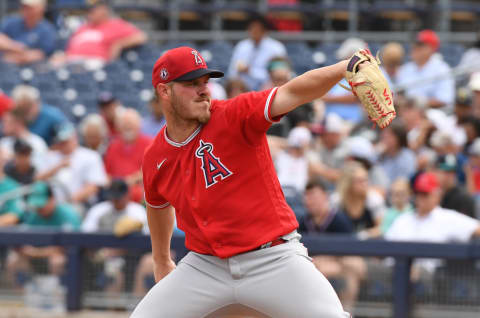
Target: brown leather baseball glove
<point>370,86</point>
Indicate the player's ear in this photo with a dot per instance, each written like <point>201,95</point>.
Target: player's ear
<point>163,90</point>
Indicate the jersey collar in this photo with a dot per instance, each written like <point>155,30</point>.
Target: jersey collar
<point>183,143</point>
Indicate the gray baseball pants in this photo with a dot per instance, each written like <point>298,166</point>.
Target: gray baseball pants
<point>280,281</point>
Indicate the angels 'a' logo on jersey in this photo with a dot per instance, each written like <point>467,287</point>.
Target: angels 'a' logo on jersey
<point>213,169</point>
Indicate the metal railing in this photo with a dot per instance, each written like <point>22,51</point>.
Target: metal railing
<point>402,252</point>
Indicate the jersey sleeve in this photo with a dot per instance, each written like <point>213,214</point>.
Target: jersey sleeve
<point>250,112</point>
<point>152,197</point>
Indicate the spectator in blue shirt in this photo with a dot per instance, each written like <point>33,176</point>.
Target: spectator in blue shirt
<point>153,122</point>
<point>42,118</point>
<point>28,37</point>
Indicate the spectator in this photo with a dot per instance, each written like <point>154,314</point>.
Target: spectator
<point>6,104</point>
<point>11,211</point>
<point>397,160</point>
<point>152,124</point>
<point>454,197</point>
<point>416,76</point>
<point>431,223</point>
<point>474,85</point>
<point>106,217</point>
<point>94,133</point>
<point>109,109</point>
<point>27,38</point>
<point>279,72</point>
<point>320,219</point>
<point>330,149</point>
<point>251,56</point>
<point>469,61</point>
<point>463,104</point>
<point>124,156</point>
<point>472,169</point>
<point>15,127</point>
<point>20,168</point>
<point>78,172</point>
<point>338,100</point>
<point>40,117</point>
<point>393,55</point>
<point>400,203</point>
<point>102,38</point>
<point>354,197</point>
<point>235,87</point>
<point>471,126</point>
<point>46,212</point>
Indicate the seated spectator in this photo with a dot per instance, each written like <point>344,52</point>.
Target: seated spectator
<point>427,63</point>
<point>474,85</point>
<point>338,100</point>
<point>15,127</point>
<point>153,122</point>
<point>124,156</point>
<point>235,87</point>
<point>400,203</point>
<point>431,223</point>
<point>106,217</point>
<point>46,212</point>
<point>250,57</point>
<point>364,206</point>
<point>77,172</point>
<point>453,196</point>
<point>279,72</point>
<point>102,38</point>
<point>20,168</point>
<point>27,38</point>
<point>109,108</point>
<point>321,218</point>
<point>11,211</point>
<point>397,160</point>
<point>94,133</point>
<point>392,56</point>
<point>40,117</point>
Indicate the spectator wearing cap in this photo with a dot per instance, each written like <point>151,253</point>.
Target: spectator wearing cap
<point>463,104</point>
<point>124,155</point>
<point>454,196</point>
<point>102,38</point>
<point>78,172</point>
<point>40,117</point>
<point>45,212</point>
<point>28,37</point>
<point>279,72</point>
<point>15,127</point>
<point>430,222</point>
<point>320,218</point>
<point>427,76</point>
<point>250,56</point>
<point>109,108</point>
<point>354,196</point>
<point>397,160</point>
<point>11,209</point>
<point>329,151</point>
<point>94,133</point>
<point>361,150</point>
<point>107,217</point>
<point>20,167</point>
<point>338,100</point>
<point>154,121</point>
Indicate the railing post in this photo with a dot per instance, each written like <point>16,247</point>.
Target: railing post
<point>401,287</point>
<point>75,278</point>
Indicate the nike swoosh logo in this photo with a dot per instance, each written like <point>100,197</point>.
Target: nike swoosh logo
<point>161,163</point>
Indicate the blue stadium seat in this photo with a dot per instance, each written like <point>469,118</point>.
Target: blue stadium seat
<point>300,55</point>
<point>220,53</point>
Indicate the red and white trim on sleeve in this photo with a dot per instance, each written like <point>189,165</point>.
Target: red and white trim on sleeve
<point>268,104</point>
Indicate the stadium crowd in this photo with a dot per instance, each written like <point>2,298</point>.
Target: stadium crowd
<point>417,180</point>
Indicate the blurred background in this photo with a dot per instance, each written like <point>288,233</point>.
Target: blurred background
<point>77,111</point>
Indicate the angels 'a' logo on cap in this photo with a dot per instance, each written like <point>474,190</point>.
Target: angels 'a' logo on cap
<point>163,74</point>
<point>198,58</point>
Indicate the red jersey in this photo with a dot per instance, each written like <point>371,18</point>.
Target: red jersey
<point>123,159</point>
<point>221,180</point>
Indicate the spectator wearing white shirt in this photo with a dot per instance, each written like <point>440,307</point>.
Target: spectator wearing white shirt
<point>430,222</point>
<point>112,216</point>
<point>76,172</point>
<point>251,56</point>
<point>427,76</point>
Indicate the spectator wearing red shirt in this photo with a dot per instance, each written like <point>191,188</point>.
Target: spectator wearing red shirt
<point>124,156</point>
<point>103,37</point>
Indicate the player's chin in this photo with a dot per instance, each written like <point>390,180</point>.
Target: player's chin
<point>204,118</point>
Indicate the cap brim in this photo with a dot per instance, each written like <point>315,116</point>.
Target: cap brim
<point>199,73</point>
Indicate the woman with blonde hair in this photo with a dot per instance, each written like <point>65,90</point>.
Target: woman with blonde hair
<point>362,204</point>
